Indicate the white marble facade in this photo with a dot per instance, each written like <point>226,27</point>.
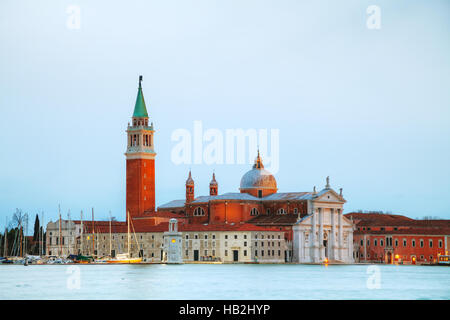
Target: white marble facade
<point>324,234</point>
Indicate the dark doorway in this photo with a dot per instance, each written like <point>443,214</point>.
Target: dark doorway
<point>113,253</point>
<point>235,255</point>
<point>325,244</point>
<point>141,253</point>
<point>195,255</point>
<point>389,258</point>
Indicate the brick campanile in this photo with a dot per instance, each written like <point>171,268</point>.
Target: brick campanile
<point>140,161</point>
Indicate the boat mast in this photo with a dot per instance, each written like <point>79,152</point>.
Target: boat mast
<point>20,237</point>
<point>110,240</point>
<point>82,231</point>
<point>69,233</point>
<point>42,234</point>
<point>129,242</point>
<point>60,235</point>
<point>93,241</point>
<point>5,248</point>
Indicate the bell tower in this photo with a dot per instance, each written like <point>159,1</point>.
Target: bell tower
<point>213,186</point>
<point>190,188</point>
<point>140,155</point>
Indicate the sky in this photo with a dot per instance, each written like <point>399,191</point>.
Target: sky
<point>368,107</point>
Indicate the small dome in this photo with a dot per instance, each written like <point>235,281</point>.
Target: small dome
<point>258,177</point>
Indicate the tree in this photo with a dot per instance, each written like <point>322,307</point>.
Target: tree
<point>36,228</point>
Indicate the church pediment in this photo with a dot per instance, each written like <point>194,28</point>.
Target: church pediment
<point>329,195</point>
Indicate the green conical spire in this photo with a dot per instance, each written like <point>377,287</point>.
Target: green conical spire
<point>140,110</point>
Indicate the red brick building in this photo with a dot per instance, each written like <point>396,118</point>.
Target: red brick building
<point>389,238</point>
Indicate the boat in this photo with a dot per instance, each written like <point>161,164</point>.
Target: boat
<point>125,258</point>
<point>83,259</point>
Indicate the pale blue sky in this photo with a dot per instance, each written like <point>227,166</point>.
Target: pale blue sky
<point>369,108</point>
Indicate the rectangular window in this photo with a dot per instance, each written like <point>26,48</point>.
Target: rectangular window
<point>187,253</point>
<point>404,242</point>
<point>226,253</point>
<point>421,243</point>
<point>245,253</point>
<point>431,243</point>
<point>413,243</point>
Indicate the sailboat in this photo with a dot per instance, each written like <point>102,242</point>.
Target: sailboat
<point>126,257</point>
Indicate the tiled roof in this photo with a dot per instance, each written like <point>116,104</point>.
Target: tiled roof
<point>378,219</point>
<point>142,226</point>
<point>173,204</point>
<point>160,214</point>
<point>282,219</point>
<point>285,196</point>
<point>407,225</point>
<point>226,196</point>
<point>422,231</point>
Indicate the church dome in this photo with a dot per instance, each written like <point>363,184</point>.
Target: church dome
<point>258,178</point>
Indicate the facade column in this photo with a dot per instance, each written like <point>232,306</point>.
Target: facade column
<point>299,251</point>
<point>340,245</point>
<point>313,237</point>
<point>350,246</point>
<point>321,247</point>
<point>332,244</point>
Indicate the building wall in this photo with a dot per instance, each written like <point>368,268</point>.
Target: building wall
<point>262,246</point>
<point>377,248</point>
<point>69,233</point>
<point>218,212</point>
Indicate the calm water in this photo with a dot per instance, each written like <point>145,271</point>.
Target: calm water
<point>222,282</point>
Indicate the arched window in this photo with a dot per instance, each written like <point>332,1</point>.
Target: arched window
<point>199,212</point>
<point>254,212</point>
<point>281,211</point>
